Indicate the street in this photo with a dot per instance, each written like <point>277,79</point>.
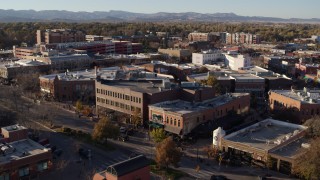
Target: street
<point>70,166</point>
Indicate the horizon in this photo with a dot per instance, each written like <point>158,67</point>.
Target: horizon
<point>284,9</point>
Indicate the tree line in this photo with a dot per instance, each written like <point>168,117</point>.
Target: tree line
<point>16,33</point>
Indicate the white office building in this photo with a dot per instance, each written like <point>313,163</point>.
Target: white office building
<point>236,61</point>
<point>207,57</point>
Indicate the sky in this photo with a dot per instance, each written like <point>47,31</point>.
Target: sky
<point>267,8</point>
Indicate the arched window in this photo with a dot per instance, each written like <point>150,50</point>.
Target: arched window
<point>167,120</point>
<point>171,121</point>
<point>179,123</point>
<point>175,122</point>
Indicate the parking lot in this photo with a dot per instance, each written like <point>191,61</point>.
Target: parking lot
<point>72,165</point>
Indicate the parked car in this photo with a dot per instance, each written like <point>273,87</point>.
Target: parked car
<point>85,153</point>
<point>130,131</point>
<point>123,137</point>
<point>123,129</point>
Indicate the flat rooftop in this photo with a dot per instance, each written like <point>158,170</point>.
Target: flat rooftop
<point>300,95</point>
<point>13,128</point>
<point>204,76</point>
<point>21,63</point>
<point>266,134</point>
<point>292,149</point>
<point>245,77</point>
<point>144,86</point>
<point>254,69</point>
<point>185,107</point>
<point>20,149</point>
<point>68,57</point>
<point>107,73</point>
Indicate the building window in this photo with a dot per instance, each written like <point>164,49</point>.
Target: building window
<point>23,171</point>
<point>175,122</point>
<point>203,117</point>
<point>179,123</point>
<point>42,166</point>
<point>4,176</point>
<point>167,120</point>
<point>198,119</point>
<point>171,121</point>
<point>140,100</point>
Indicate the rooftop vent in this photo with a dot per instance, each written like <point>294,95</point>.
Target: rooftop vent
<point>305,145</point>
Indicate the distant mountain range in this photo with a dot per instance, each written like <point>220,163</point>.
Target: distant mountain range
<point>121,16</point>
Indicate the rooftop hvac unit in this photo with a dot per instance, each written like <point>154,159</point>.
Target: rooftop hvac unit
<point>305,145</point>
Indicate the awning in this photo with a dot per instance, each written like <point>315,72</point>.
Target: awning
<point>173,129</point>
<point>155,125</point>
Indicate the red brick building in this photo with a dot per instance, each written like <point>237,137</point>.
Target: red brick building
<point>131,169</point>
<point>132,96</point>
<point>303,69</point>
<point>179,72</point>
<point>181,117</point>
<point>59,36</point>
<point>69,86</point>
<point>301,104</point>
<point>22,158</point>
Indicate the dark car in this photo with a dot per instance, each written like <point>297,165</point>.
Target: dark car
<point>123,137</point>
<point>130,131</point>
<point>85,153</point>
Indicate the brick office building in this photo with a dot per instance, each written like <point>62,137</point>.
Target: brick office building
<point>73,86</point>
<point>50,36</point>
<point>195,36</point>
<point>301,104</point>
<point>178,71</point>
<point>303,69</point>
<point>134,168</point>
<point>131,96</point>
<point>23,67</point>
<point>22,158</point>
<point>181,117</point>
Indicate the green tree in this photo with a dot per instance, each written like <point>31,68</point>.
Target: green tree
<point>158,135</point>
<point>136,118</point>
<point>307,165</point>
<point>203,69</point>
<point>213,82</point>
<point>167,153</point>
<point>79,106</point>
<point>104,129</point>
<point>313,125</point>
